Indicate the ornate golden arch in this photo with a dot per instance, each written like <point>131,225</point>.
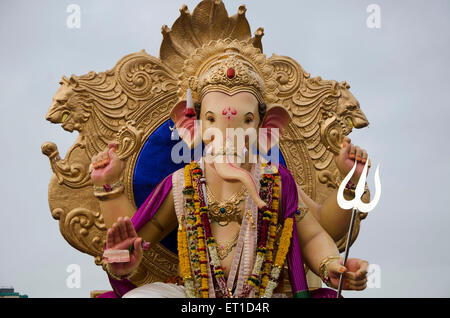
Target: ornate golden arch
<point>129,102</point>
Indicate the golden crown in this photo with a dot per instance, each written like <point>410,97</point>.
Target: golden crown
<point>228,66</point>
<point>230,76</point>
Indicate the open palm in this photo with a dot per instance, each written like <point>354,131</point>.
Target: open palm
<point>123,236</point>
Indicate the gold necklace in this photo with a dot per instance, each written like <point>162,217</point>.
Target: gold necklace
<point>223,212</point>
<point>225,248</point>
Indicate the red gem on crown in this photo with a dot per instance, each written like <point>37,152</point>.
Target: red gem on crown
<point>231,73</point>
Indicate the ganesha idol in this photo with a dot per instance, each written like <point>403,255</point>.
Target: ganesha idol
<point>216,213</point>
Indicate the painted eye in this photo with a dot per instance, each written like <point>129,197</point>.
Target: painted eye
<point>210,119</point>
<point>248,120</point>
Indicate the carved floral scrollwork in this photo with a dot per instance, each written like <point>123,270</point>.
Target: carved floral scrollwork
<point>142,77</point>
<point>157,264</point>
<point>85,230</point>
<point>324,111</point>
<point>82,228</point>
<point>298,161</point>
<point>331,132</point>
<point>329,178</point>
<point>129,139</point>
<point>288,73</point>
<point>71,174</point>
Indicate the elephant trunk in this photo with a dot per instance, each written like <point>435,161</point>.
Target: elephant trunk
<point>230,172</point>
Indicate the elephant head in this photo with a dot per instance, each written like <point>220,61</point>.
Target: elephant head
<point>232,126</point>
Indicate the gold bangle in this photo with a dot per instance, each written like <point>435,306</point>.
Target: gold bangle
<point>104,196</point>
<point>127,276</point>
<point>107,187</point>
<point>323,270</point>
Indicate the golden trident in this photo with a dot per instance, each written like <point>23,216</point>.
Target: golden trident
<point>356,204</point>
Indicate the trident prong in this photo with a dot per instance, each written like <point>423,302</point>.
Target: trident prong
<point>356,204</point>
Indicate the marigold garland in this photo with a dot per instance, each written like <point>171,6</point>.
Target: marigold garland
<point>264,258</point>
<point>285,242</point>
<point>185,263</point>
<point>196,238</point>
<point>188,192</point>
<point>267,266</point>
<point>196,174</point>
<point>210,240</point>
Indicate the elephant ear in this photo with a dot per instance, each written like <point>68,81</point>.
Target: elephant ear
<point>185,125</point>
<point>275,121</point>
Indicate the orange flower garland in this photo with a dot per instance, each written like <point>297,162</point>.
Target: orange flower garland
<point>272,233</point>
<point>191,228</point>
<point>261,269</point>
<point>201,240</point>
<point>185,263</point>
<point>196,237</point>
<point>285,242</point>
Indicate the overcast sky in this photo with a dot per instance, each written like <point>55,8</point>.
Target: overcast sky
<point>398,72</point>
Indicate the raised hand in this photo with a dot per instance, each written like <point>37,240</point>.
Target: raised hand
<point>346,159</point>
<point>355,273</point>
<point>106,167</point>
<point>121,236</point>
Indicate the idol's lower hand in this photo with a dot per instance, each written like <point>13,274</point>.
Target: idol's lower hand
<point>122,236</point>
<point>355,274</point>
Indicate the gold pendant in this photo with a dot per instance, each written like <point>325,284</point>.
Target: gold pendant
<point>224,212</point>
